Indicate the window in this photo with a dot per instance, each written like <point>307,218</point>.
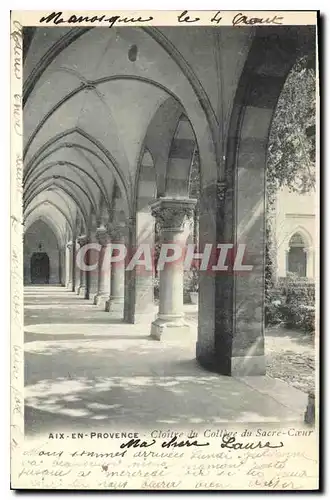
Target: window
<point>297,255</point>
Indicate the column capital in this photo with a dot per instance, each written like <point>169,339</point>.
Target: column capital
<point>117,231</point>
<point>69,245</point>
<point>102,235</point>
<point>82,239</point>
<point>171,213</point>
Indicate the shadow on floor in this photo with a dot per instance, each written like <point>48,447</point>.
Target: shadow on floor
<point>94,316</point>
<point>32,337</point>
<point>85,403</point>
<point>119,377</point>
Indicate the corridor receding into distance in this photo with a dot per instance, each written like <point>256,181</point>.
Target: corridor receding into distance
<point>148,136</point>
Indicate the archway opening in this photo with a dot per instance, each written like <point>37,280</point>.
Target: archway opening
<point>42,254</point>
<point>39,268</point>
<point>297,262</point>
<point>291,172</point>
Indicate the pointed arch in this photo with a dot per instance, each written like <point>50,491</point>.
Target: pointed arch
<point>305,235</point>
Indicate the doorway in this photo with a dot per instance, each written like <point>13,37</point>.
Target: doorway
<point>40,268</point>
<point>297,256</point>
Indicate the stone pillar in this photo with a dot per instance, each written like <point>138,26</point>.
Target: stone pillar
<point>231,317</point>
<point>82,289</point>
<point>115,302</point>
<point>139,284</point>
<point>77,269</point>
<point>69,265</point>
<point>92,275</point>
<point>61,269</point>
<point>103,284</point>
<point>171,214</point>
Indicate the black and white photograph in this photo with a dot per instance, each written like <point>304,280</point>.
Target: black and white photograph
<point>169,225</point>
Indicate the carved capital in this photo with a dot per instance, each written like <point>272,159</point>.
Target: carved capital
<point>82,239</point>
<point>69,245</point>
<point>102,235</point>
<point>117,231</point>
<point>172,213</point>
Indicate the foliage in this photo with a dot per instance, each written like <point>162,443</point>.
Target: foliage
<point>190,284</point>
<point>291,302</point>
<point>274,297</point>
<point>293,285</point>
<point>274,308</point>
<point>269,259</point>
<point>195,192</point>
<point>291,147</point>
<point>291,163</point>
<point>191,280</point>
<point>194,180</point>
<point>299,309</point>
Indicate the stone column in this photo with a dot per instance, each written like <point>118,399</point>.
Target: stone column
<point>115,302</point>
<point>171,214</point>
<point>77,269</point>
<point>103,284</point>
<point>62,270</point>
<point>139,283</point>
<point>69,265</point>
<point>81,290</point>
<point>92,275</point>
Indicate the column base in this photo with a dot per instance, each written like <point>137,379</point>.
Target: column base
<point>78,290</point>
<point>146,316</point>
<point>82,291</point>
<point>114,305</point>
<point>100,299</point>
<point>92,296</point>
<point>162,329</point>
<point>236,366</point>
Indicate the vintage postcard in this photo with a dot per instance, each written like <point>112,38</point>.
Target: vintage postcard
<point>164,250</point>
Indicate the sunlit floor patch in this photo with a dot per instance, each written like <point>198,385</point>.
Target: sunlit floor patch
<point>86,369</point>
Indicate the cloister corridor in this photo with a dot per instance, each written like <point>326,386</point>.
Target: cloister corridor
<point>153,138</point>
<point>87,370</point>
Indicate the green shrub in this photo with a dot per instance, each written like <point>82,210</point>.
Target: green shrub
<point>307,318</point>
<point>274,301</point>
<point>190,283</point>
<point>299,308</point>
<point>292,302</point>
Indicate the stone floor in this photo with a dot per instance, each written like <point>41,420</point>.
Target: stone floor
<point>85,369</point>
